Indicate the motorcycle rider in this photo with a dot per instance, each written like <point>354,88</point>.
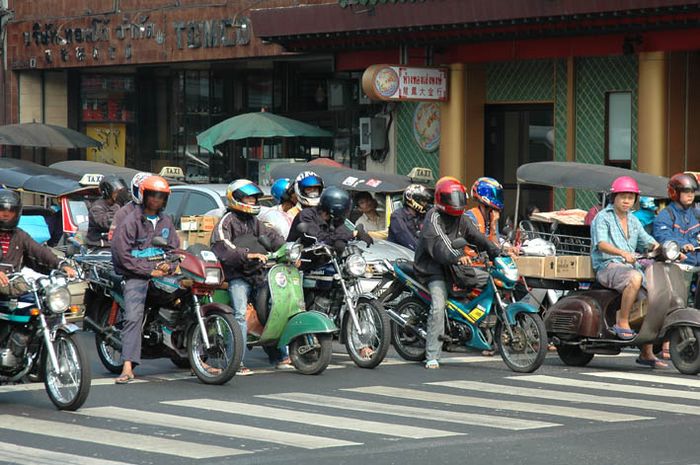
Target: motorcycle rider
<point>488,194</point>
<point>17,248</point>
<point>307,189</point>
<point>244,267</point>
<point>678,221</point>
<point>102,211</point>
<point>444,223</point>
<point>132,244</point>
<point>406,222</point>
<point>280,216</point>
<point>124,211</point>
<point>616,235</point>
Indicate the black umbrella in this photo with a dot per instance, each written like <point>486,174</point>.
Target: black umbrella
<point>346,178</point>
<point>45,135</point>
<point>31,177</point>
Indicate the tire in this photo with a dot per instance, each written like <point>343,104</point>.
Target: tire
<point>314,361</point>
<point>376,325</point>
<point>219,363</point>
<point>180,362</point>
<point>574,356</point>
<point>525,353</point>
<point>110,357</point>
<point>687,361</point>
<point>408,345</point>
<point>69,388</point>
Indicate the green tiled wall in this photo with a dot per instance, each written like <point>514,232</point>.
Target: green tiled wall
<point>560,124</point>
<point>408,152</point>
<point>516,81</point>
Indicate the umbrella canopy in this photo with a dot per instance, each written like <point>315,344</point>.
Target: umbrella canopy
<point>346,178</point>
<point>44,135</point>
<point>261,125</point>
<point>83,167</point>
<point>31,177</point>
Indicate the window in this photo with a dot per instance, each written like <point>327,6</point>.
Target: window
<point>618,128</point>
<point>174,203</point>
<point>198,204</point>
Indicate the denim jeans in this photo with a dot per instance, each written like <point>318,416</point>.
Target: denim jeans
<point>436,320</point>
<point>240,291</point>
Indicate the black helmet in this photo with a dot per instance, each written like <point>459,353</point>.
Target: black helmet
<point>417,197</point>
<point>10,201</point>
<point>111,184</point>
<point>336,201</point>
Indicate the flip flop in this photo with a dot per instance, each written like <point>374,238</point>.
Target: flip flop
<point>624,333</point>
<point>124,379</point>
<point>656,363</point>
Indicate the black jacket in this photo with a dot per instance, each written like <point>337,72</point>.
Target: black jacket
<point>434,251</point>
<point>404,227</point>
<point>25,251</point>
<point>335,236</point>
<point>100,218</point>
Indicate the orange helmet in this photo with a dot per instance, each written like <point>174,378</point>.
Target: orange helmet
<point>153,184</point>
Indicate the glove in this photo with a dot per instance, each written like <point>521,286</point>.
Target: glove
<point>364,236</point>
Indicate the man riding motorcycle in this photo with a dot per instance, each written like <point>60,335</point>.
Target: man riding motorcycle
<point>678,221</point>
<point>405,223</point>
<point>124,211</point>
<point>102,211</point>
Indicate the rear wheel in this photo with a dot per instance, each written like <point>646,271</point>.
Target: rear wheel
<point>408,344</point>
<point>110,356</point>
<point>685,349</point>
<point>311,353</point>
<point>220,362</point>
<point>368,349</point>
<point>574,356</point>
<point>69,384</point>
<point>525,350</point>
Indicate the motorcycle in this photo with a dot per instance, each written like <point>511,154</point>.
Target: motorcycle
<point>180,320</point>
<point>334,288</point>
<point>580,324</point>
<point>36,342</point>
<point>518,330</point>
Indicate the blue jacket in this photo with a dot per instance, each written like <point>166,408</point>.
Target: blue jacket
<point>404,227</point>
<point>681,225</point>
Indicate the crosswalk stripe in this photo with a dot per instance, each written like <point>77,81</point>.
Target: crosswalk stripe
<point>631,389</point>
<point>662,379</point>
<point>565,396</point>
<point>13,453</point>
<point>343,403</point>
<point>328,421</point>
<point>110,437</point>
<point>497,404</point>
<point>215,427</point>
<point>40,386</point>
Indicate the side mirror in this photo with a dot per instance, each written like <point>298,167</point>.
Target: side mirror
<point>459,243</point>
<point>159,241</point>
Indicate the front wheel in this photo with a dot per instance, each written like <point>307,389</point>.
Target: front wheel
<point>311,353</point>
<point>368,348</point>
<point>409,345</point>
<point>525,350</point>
<point>685,349</point>
<point>69,385</point>
<point>220,362</point>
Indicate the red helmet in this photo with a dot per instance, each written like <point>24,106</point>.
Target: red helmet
<point>624,184</point>
<point>681,182</point>
<point>450,197</point>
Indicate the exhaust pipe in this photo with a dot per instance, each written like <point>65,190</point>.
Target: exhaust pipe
<point>401,321</point>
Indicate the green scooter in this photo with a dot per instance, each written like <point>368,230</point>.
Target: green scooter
<point>309,334</point>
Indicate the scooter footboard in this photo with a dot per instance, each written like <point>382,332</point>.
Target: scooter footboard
<point>310,322</point>
<point>681,317</point>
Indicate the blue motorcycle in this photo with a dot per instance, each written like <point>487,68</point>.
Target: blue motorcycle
<point>476,318</point>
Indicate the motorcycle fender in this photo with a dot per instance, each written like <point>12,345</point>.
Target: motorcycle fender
<point>681,317</point>
<point>207,308</point>
<point>514,309</point>
<point>68,328</point>
<point>310,322</point>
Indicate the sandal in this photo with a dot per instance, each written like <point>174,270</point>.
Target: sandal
<point>488,353</point>
<point>655,363</point>
<point>244,371</point>
<point>366,353</point>
<point>124,379</point>
<point>625,334</point>
<point>432,364</point>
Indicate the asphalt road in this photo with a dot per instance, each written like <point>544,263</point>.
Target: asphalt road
<point>473,410</point>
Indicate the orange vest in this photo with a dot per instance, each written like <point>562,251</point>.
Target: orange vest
<point>481,224</point>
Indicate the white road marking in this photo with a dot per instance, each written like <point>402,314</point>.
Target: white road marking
<point>215,427</point>
<point>14,453</point>
<point>662,379</point>
<point>405,411</point>
<point>497,404</point>
<point>327,421</point>
<point>109,437</point>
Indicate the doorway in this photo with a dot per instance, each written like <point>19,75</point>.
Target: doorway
<point>516,134</point>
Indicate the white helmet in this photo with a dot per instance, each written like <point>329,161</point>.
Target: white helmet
<point>135,184</point>
<point>306,180</point>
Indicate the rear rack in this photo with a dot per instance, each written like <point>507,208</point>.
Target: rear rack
<point>563,244</point>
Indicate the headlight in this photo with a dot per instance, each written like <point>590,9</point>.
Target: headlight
<point>670,250</point>
<point>57,298</point>
<point>213,276</point>
<point>507,267</point>
<point>295,252</point>
<point>356,265</point>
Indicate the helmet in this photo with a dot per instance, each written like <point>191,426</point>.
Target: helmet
<point>303,181</point>
<point>417,197</point>
<point>243,188</point>
<point>10,200</point>
<point>336,201</point>
<point>680,182</point>
<point>647,203</point>
<point>135,183</point>
<point>488,192</point>
<point>111,184</point>
<point>624,184</point>
<point>154,184</point>
<point>280,190</point>
<point>450,197</point>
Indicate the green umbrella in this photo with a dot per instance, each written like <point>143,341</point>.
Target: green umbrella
<point>259,125</point>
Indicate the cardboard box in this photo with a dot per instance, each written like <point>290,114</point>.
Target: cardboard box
<point>536,267</point>
<point>188,223</point>
<point>574,267</point>
<point>199,237</point>
<point>206,223</point>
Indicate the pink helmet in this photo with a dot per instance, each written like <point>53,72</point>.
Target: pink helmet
<point>624,184</point>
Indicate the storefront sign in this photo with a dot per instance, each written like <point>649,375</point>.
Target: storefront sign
<point>392,82</point>
<point>426,126</point>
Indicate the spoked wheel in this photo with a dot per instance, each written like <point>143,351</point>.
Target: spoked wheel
<point>368,348</point>
<point>408,344</point>
<point>220,362</point>
<point>685,349</point>
<point>69,385</point>
<point>110,356</point>
<point>311,353</point>
<point>574,356</point>
<point>525,351</point>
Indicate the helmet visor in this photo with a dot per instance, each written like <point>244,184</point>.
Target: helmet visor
<point>456,199</point>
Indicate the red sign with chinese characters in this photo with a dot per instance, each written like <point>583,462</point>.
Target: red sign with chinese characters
<point>408,83</point>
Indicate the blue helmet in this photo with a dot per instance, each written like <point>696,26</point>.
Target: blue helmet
<point>489,192</point>
<point>306,180</point>
<point>280,190</point>
<point>647,203</point>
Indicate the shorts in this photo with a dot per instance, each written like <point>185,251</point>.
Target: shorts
<point>617,275</point>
